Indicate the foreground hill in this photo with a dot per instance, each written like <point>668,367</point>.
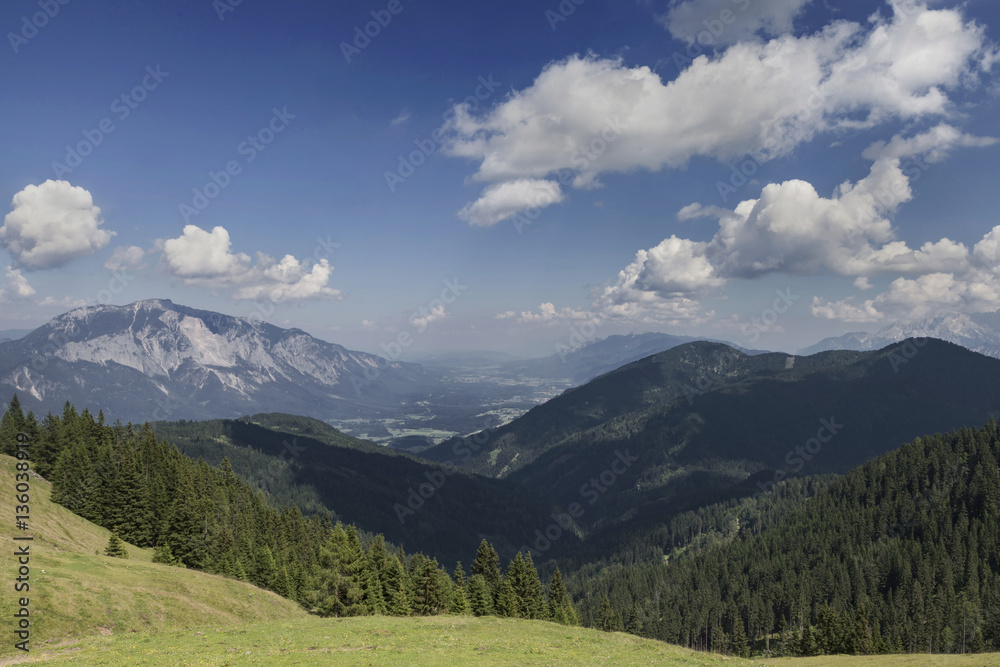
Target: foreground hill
<point>77,591</point>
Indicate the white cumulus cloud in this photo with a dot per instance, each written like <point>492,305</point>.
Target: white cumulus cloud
<point>792,229</point>
<point>789,89</point>
<point>125,258</point>
<point>17,287</point>
<point>51,224</point>
<point>504,200</point>
<point>206,259</point>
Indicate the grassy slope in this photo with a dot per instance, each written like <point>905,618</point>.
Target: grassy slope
<point>441,640</point>
<point>77,592</point>
<point>91,610</point>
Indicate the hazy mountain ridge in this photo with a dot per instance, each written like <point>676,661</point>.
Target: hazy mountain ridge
<point>154,359</point>
<point>979,332</point>
<point>684,370</point>
<point>585,362</point>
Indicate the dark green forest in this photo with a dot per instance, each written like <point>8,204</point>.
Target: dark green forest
<point>900,555</point>
<point>207,518</point>
<point>305,462</point>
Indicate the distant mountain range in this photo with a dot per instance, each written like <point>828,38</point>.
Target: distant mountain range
<point>13,334</point>
<point>704,421</point>
<point>584,363</point>
<point>157,360</point>
<point>154,360</point>
<point>979,333</point>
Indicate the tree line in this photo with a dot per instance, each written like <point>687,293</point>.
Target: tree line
<point>197,516</point>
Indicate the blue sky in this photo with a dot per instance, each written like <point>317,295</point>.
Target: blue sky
<point>589,189</point>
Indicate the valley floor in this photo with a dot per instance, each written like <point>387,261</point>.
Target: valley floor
<point>441,640</point>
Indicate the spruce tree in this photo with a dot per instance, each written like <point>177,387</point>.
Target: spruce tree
<point>11,424</point>
<point>561,609</point>
<point>115,548</point>
<point>633,625</point>
<point>609,619</point>
<point>741,647</point>
<point>396,587</point>
<point>534,593</point>
<point>429,594</point>
<point>507,604</point>
<point>807,645</point>
<point>479,595</point>
<point>487,564</point>
<point>459,601</point>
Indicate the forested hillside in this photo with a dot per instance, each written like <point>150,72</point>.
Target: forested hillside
<point>421,506</point>
<point>197,516</point>
<point>748,423</point>
<point>901,554</point>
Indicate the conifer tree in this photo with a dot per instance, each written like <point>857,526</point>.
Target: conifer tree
<point>507,604</point>
<point>459,601</point>
<point>741,647</point>
<point>633,625</point>
<point>609,619</point>
<point>807,645</point>
<point>396,588</point>
<point>372,596</point>
<point>11,424</point>
<point>561,609</point>
<point>429,594</point>
<point>479,595</point>
<point>487,564</point>
<point>115,548</point>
